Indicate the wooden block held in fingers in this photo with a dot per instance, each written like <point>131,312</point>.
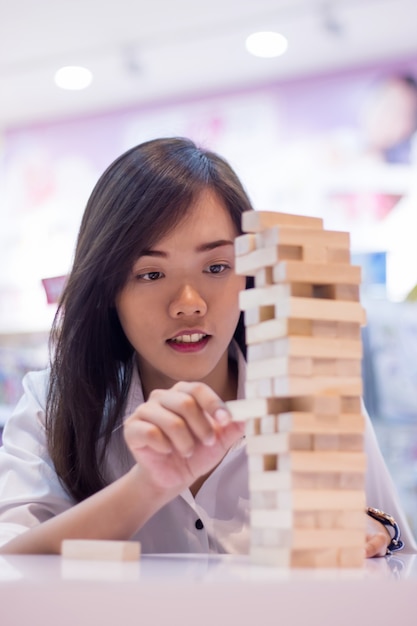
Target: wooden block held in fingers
<point>101,550</point>
<point>256,221</point>
<point>255,407</point>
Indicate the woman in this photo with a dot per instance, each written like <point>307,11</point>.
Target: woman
<point>127,435</point>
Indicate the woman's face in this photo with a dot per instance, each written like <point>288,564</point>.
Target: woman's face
<point>179,307</point>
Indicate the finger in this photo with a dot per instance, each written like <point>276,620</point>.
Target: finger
<point>192,408</point>
<point>140,434</point>
<point>208,400</point>
<point>376,544</point>
<point>174,427</point>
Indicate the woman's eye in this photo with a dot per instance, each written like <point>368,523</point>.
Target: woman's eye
<point>149,276</point>
<point>217,268</point>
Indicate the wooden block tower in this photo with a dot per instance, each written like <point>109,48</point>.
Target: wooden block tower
<point>304,424</point>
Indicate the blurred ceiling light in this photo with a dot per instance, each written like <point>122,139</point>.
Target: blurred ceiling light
<point>73,77</point>
<point>266,44</point>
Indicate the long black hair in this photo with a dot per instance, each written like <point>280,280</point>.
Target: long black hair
<point>140,197</point>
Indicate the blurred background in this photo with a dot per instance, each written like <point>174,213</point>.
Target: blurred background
<point>319,118</point>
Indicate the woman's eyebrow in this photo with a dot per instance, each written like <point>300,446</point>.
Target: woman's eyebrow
<point>204,247</point>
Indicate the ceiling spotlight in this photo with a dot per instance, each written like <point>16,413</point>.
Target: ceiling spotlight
<point>73,77</point>
<point>266,44</point>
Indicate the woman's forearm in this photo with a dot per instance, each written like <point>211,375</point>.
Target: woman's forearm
<point>116,512</point>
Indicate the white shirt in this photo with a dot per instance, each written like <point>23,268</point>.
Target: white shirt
<point>30,491</point>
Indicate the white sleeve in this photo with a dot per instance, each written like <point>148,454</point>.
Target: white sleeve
<point>30,491</point>
<point>380,490</point>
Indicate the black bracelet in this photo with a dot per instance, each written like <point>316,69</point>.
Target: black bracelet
<point>388,520</point>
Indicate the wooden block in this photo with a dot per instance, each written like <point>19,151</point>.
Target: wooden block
<point>256,221</point>
<point>264,257</point>
<point>335,291</point>
<point>269,480</point>
<point>270,518</point>
<point>318,347</point>
<point>302,386</point>
<point>259,314</point>
<point>315,309</point>
<point>341,330</point>
<point>102,550</point>
<point>319,404</point>
<point>301,461</point>
<point>260,351</point>
<point>245,244</point>
<point>351,404</point>
<point>278,443</point>
<point>280,366</point>
<point>310,237</point>
<point>339,255</point>
<point>256,407</point>
<point>277,329</point>
<point>253,427</point>
<point>263,277</point>
<point>275,557</point>
<point>314,254</point>
<point>350,330</point>
<point>336,367</point>
<point>315,273</point>
<point>328,480</point>
<point>302,422</point>
<point>319,538</point>
<point>262,296</point>
<point>321,499</point>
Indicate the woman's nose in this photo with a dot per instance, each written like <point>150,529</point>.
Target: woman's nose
<point>187,302</point>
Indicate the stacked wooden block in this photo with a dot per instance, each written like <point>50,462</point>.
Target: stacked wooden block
<point>304,424</point>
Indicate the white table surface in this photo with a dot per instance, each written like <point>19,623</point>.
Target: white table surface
<point>204,590</point>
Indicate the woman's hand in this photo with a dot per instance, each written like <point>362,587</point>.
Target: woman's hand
<point>180,434</point>
<point>377,538</point>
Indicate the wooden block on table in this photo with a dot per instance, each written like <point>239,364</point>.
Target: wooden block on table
<point>315,273</point>
<point>286,557</point>
<point>256,221</point>
<point>102,550</point>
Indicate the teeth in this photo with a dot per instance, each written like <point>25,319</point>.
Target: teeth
<point>194,338</point>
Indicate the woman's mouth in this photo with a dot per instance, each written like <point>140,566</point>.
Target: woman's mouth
<point>189,342</point>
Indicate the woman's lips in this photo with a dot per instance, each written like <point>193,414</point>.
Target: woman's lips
<point>189,342</point>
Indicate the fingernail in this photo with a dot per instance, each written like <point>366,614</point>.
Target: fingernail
<point>222,416</point>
